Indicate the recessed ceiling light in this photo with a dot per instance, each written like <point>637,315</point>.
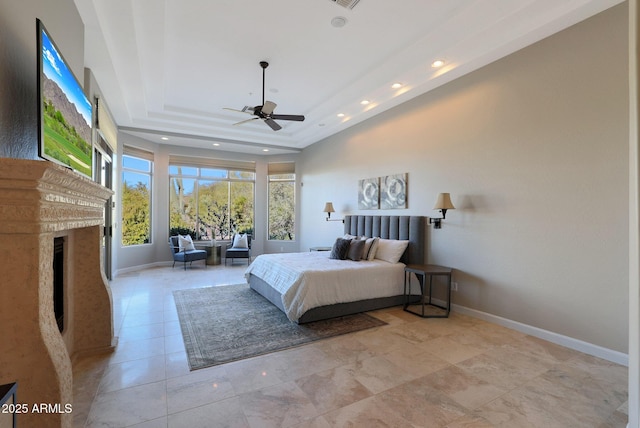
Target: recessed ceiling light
<point>365,102</point>
<point>339,22</point>
<point>397,85</point>
<point>216,144</point>
<point>265,150</point>
<point>164,138</point>
<point>340,114</point>
<point>437,63</point>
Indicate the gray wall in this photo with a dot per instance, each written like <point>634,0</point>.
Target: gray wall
<point>534,150</point>
<point>18,66</point>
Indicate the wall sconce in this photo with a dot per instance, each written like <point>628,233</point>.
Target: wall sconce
<point>328,208</point>
<point>443,203</point>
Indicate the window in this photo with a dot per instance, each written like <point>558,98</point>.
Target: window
<point>282,201</point>
<point>137,168</point>
<point>210,203</point>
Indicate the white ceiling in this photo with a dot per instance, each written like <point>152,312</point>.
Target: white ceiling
<point>168,67</point>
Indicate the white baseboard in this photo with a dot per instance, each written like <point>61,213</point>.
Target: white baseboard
<point>140,267</point>
<point>569,342</point>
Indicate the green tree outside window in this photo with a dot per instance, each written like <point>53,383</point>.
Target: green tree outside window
<point>136,201</point>
<point>282,204</point>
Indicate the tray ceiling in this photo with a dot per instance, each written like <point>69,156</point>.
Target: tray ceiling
<point>168,68</point>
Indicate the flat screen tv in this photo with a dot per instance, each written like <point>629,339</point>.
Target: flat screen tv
<point>64,109</point>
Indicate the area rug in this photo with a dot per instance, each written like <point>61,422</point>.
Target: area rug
<point>228,323</point>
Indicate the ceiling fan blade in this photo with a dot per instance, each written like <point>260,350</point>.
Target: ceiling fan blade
<point>296,117</point>
<point>244,110</point>
<point>272,124</point>
<point>245,121</point>
<point>268,107</point>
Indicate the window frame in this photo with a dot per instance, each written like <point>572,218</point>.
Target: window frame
<point>276,172</point>
<point>199,177</point>
<point>140,155</point>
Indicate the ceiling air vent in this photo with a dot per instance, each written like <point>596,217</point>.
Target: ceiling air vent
<point>349,4</point>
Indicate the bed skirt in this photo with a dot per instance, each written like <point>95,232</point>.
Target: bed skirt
<point>328,311</point>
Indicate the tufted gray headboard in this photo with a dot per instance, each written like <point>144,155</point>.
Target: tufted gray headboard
<point>410,228</point>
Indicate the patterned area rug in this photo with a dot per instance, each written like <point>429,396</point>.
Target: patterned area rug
<point>229,323</point>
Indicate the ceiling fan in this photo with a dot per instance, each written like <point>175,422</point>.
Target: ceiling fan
<point>265,111</point>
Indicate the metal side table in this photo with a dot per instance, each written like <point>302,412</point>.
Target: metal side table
<point>425,301</point>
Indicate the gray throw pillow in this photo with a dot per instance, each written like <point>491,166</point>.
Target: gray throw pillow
<point>356,249</point>
<point>340,249</point>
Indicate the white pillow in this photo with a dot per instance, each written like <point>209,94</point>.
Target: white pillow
<point>185,243</point>
<point>390,250</point>
<point>367,246</point>
<point>373,247</point>
<point>240,241</point>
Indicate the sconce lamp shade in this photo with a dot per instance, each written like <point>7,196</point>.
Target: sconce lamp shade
<point>444,202</point>
<point>328,208</point>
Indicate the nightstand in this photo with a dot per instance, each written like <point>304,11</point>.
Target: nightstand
<point>424,301</point>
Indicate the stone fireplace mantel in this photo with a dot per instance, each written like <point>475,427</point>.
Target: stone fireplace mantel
<point>39,201</point>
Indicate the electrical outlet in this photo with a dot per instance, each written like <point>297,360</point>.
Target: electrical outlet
<point>454,286</point>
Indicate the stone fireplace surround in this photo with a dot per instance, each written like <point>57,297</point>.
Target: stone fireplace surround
<point>39,201</point>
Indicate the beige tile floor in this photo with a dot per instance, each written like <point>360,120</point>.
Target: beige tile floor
<point>413,372</point>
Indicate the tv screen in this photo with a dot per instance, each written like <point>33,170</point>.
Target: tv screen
<point>65,111</point>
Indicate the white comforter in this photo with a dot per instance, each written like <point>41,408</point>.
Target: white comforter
<point>308,280</point>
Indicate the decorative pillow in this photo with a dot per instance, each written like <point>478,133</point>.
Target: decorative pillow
<point>373,247</point>
<point>240,241</point>
<point>367,246</point>
<point>391,250</point>
<point>340,249</point>
<point>356,249</point>
<point>185,243</point>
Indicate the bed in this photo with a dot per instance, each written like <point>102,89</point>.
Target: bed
<point>309,286</point>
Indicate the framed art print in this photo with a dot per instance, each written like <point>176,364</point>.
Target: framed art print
<point>393,191</point>
<point>368,194</point>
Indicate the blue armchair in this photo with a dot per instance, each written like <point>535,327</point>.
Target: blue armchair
<point>239,250</point>
<point>188,256</point>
